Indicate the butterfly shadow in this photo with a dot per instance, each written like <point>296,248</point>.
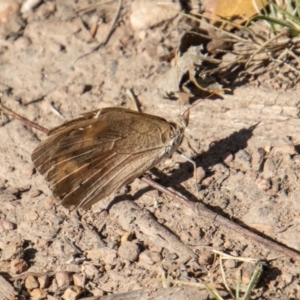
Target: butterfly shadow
<point>214,155</point>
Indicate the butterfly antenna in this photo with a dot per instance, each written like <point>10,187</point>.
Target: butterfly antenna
<point>210,95</point>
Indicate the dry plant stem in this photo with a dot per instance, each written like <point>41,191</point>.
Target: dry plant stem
<point>263,46</point>
<point>198,208</point>
<point>23,120</point>
<point>202,211</point>
<point>110,31</point>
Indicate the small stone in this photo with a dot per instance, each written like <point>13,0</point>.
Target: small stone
<point>34,193</point>
<point>38,294</point>
<point>29,5</point>
<point>71,293</point>
<point>149,258</point>
<point>224,202</point>
<point>263,184</point>
<point>8,225</point>
<point>145,14</point>
<point>31,283</point>
<point>217,242</point>
<point>230,263</point>
<point>97,292</point>
<point>207,181</point>
<point>44,281</point>
<point>8,10</point>
<point>78,279</point>
<point>18,266</point>
<point>243,155</point>
<point>287,278</point>
<point>129,251</point>
<point>105,254</point>
<point>270,168</point>
<point>199,174</point>
<point>206,258</point>
<point>22,43</point>
<point>32,216</point>
<point>28,169</point>
<point>62,278</point>
<point>195,233</point>
<point>5,266</point>
<point>90,270</point>
<point>227,157</point>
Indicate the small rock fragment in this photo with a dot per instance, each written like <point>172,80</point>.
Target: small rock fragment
<point>146,14</point>
<point>71,293</point>
<point>90,270</point>
<point>18,266</point>
<point>199,174</point>
<point>62,278</point>
<point>13,250</point>
<point>31,283</point>
<point>206,258</point>
<point>106,254</point>
<point>8,225</point>
<point>78,279</point>
<point>263,184</point>
<point>230,263</point>
<point>227,157</point>
<point>44,281</point>
<point>129,251</point>
<point>149,258</point>
<point>38,294</point>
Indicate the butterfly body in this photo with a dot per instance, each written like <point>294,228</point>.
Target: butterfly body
<point>87,159</point>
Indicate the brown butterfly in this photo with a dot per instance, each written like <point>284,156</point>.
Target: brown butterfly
<point>87,159</point>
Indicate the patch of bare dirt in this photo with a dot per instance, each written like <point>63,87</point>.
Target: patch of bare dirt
<point>129,244</point>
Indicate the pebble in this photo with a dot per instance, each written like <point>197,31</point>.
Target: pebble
<point>38,294</point>
<point>263,184</point>
<point>8,225</point>
<point>62,278</point>
<point>71,293</point>
<point>18,266</point>
<point>34,193</point>
<point>199,174</point>
<point>90,270</point>
<point>31,283</point>
<point>29,5</point>
<point>44,281</point>
<point>207,181</point>
<point>129,251</point>
<point>269,170</point>
<point>206,258</point>
<point>32,216</point>
<point>227,157</point>
<point>7,10</point>
<point>230,263</point>
<point>107,255</point>
<point>23,43</point>
<point>149,258</point>
<point>78,279</point>
<point>147,14</point>
<point>13,250</point>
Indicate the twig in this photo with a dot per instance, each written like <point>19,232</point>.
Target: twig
<point>110,31</point>
<point>23,120</point>
<point>202,211</point>
<point>264,45</point>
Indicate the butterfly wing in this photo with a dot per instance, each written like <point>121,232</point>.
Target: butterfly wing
<point>87,159</point>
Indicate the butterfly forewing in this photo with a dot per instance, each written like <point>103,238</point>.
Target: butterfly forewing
<point>87,159</point>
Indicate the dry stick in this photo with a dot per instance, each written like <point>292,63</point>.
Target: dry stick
<point>197,207</point>
<point>202,211</point>
<point>23,120</point>
<point>110,31</point>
